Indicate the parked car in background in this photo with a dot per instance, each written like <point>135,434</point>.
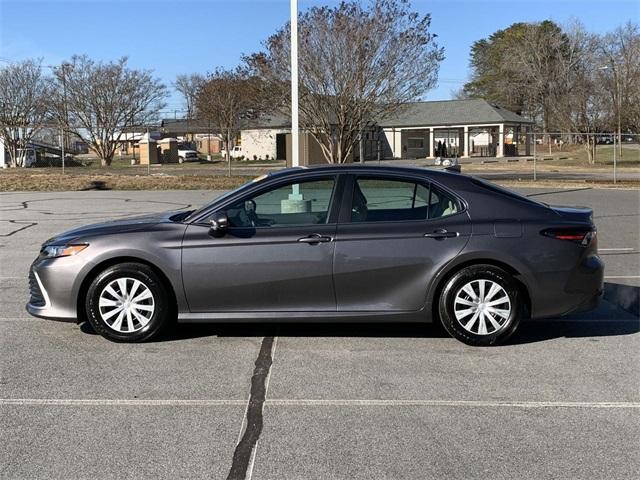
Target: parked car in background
<point>187,155</point>
<point>236,152</point>
<point>605,139</point>
<point>331,243</point>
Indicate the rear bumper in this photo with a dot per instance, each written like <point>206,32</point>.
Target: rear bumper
<point>563,293</point>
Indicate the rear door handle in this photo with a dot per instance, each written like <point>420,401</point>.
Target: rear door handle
<point>441,233</point>
<point>315,238</point>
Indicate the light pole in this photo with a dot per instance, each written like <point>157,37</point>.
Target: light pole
<point>618,103</point>
<point>618,100</point>
<point>295,141</point>
<point>63,133</point>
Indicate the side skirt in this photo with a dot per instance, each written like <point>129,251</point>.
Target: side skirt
<point>325,317</point>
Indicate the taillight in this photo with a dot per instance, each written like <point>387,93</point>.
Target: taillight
<point>583,236</point>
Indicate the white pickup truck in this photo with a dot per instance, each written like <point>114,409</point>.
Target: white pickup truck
<point>187,155</point>
<point>236,152</point>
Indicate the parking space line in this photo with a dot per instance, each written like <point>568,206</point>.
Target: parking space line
<point>298,402</point>
<point>448,403</point>
<point>134,402</point>
<point>622,249</point>
<point>622,276</point>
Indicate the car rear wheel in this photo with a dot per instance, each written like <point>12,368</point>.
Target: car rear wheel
<point>128,303</point>
<point>480,305</point>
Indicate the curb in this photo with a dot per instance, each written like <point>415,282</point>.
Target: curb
<point>626,297</point>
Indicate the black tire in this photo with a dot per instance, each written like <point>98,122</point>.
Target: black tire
<point>159,320</point>
<point>454,286</point>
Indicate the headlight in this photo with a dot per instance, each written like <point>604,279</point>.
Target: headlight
<point>53,251</point>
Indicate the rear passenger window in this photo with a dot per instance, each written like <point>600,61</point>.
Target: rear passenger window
<point>386,200</point>
<point>441,204</point>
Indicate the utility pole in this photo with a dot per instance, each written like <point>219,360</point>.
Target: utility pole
<point>66,116</point>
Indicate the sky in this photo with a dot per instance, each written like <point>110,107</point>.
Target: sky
<point>172,37</point>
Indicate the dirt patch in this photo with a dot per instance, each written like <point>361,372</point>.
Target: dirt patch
<point>49,182</point>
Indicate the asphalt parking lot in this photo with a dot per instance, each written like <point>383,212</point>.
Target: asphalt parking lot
<point>561,400</point>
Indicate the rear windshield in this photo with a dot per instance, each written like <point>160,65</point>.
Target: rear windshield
<point>504,191</point>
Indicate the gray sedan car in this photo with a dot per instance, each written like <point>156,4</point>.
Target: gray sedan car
<point>334,243</point>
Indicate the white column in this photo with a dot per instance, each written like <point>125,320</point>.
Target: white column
<point>465,139</point>
<point>500,149</point>
<point>2,159</point>
<point>431,145</point>
<point>397,143</point>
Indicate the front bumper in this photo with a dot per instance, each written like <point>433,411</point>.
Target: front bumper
<point>53,287</point>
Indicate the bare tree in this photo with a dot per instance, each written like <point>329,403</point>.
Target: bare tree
<point>226,100</point>
<point>188,86</point>
<point>619,73</point>
<point>24,106</point>
<point>96,101</point>
<point>582,106</point>
<point>357,66</point>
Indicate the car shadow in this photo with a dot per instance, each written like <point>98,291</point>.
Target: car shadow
<point>530,331</point>
<point>606,321</point>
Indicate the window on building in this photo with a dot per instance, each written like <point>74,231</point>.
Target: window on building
<point>416,142</point>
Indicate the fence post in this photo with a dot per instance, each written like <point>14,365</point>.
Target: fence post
<point>614,160</point>
<point>535,173</point>
<point>62,147</point>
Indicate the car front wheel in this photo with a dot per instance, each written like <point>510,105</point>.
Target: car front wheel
<point>128,303</point>
<point>481,305</point>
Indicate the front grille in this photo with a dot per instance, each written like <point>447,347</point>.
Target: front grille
<point>37,298</point>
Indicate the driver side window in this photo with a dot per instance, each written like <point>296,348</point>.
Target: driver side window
<point>302,203</point>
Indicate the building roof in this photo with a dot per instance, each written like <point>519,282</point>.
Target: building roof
<point>452,112</point>
<point>178,127</point>
<point>417,114</point>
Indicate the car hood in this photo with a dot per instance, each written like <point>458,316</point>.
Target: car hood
<point>128,224</point>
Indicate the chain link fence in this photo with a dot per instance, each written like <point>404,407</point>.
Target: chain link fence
<point>511,154</point>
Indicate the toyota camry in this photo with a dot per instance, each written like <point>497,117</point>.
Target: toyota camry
<point>332,243</point>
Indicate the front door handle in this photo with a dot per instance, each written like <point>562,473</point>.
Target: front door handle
<point>441,233</point>
<point>315,238</point>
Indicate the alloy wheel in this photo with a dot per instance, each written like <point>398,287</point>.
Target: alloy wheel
<point>482,307</point>
<point>126,305</point>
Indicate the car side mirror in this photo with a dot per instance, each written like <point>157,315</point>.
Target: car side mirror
<point>219,222</point>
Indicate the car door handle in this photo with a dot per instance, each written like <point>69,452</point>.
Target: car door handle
<point>441,233</point>
<point>315,238</point>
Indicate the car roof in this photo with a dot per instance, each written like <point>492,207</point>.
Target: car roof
<point>355,167</point>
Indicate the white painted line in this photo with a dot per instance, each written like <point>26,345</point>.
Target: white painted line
<point>625,249</point>
<point>134,402</point>
<point>622,276</point>
<point>448,403</point>
<point>283,402</point>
